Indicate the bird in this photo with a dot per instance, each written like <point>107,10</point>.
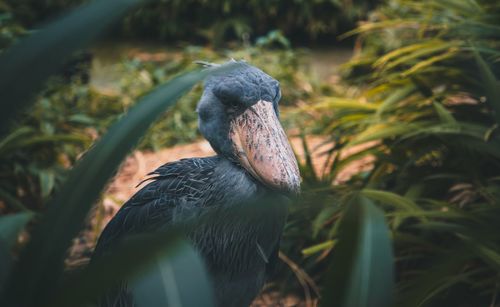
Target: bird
<point>238,115</point>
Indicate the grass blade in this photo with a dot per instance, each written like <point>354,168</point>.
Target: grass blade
<point>362,272</point>
<point>27,65</point>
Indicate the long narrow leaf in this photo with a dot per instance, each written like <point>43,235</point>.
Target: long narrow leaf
<point>26,66</point>
<point>392,199</point>
<point>41,263</point>
<point>171,280</point>
<point>491,85</point>
<point>124,262</point>
<point>362,270</point>
<point>10,226</point>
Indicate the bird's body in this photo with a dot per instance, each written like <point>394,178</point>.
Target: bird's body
<point>238,250</point>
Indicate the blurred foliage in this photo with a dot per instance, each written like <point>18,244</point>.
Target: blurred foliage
<point>70,113</point>
<point>421,115</point>
<point>180,125</point>
<point>10,29</point>
<point>32,274</point>
<point>217,21</point>
<point>35,154</point>
<point>36,277</point>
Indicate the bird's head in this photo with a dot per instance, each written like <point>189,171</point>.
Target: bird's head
<point>238,114</point>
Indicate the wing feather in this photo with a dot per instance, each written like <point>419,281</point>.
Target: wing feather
<point>174,187</point>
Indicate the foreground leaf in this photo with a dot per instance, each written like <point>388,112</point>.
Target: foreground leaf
<point>10,226</point>
<point>41,263</point>
<point>27,65</point>
<point>125,261</point>
<point>362,270</point>
<point>171,280</point>
<point>491,85</point>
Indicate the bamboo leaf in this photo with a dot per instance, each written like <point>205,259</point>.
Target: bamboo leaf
<point>444,115</point>
<point>318,247</point>
<point>323,217</point>
<point>362,270</point>
<point>382,131</point>
<point>423,52</point>
<point>382,25</point>
<point>491,85</point>
<point>394,98</point>
<point>335,103</point>
<point>398,53</point>
<point>487,253</point>
<point>393,199</point>
<point>430,61</point>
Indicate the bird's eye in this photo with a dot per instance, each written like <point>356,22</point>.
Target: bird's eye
<point>232,104</point>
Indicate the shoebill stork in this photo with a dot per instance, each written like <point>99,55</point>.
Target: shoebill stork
<point>238,115</point>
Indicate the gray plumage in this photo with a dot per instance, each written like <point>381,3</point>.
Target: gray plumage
<point>239,251</point>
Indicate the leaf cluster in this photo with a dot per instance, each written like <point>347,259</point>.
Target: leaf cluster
<point>424,121</point>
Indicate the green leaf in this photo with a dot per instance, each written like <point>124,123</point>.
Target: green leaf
<point>318,247</point>
<point>41,263</point>
<point>27,65</point>
<point>393,199</point>
<point>430,62</point>
<point>5,263</point>
<point>82,119</point>
<point>12,201</point>
<point>383,131</point>
<point>489,254</point>
<point>14,135</point>
<point>362,269</point>
<point>170,282</point>
<point>335,103</point>
<point>10,226</point>
<point>491,85</point>
<point>444,115</point>
<point>127,260</point>
<point>322,217</point>
<point>47,181</point>
<point>439,276</point>
<point>394,98</point>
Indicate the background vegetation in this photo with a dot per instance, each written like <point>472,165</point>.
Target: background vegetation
<point>216,21</point>
<point>424,113</point>
<point>417,106</point>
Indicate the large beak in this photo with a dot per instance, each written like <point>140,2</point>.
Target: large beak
<point>262,148</point>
